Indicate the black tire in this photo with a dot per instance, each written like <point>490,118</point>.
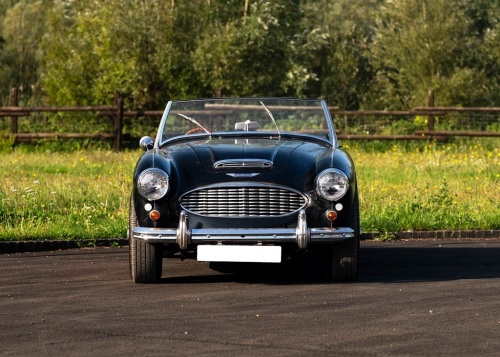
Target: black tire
<point>344,257</point>
<point>145,259</point>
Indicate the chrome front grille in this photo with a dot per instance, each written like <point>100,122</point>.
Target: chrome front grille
<point>243,201</point>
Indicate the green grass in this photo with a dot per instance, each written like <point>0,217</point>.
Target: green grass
<point>84,194</point>
<point>429,187</point>
<point>71,195</point>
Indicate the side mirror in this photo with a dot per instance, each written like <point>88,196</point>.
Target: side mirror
<point>146,143</point>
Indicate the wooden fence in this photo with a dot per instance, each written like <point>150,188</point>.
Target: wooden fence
<point>433,123</point>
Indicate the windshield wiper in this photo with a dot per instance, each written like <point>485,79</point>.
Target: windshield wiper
<point>271,116</point>
<point>196,123</point>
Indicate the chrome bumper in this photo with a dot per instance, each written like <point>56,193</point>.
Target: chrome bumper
<point>184,236</point>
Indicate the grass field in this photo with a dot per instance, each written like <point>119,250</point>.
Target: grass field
<point>429,187</point>
<point>84,194</point>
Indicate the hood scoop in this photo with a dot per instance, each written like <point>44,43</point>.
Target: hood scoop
<point>243,164</point>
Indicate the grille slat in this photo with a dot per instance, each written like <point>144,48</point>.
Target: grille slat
<point>247,201</point>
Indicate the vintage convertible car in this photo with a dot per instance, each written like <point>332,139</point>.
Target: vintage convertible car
<point>244,180</point>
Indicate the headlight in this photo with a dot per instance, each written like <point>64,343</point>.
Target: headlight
<point>332,184</point>
<point>152,184</point>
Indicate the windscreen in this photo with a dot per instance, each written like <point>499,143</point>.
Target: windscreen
<point>237,116</point>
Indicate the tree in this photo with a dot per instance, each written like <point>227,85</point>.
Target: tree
<point>332,50</point>
<point>372,54</point>
<point>422,45</point>
<point>248,54</point>
<point>484,51</point>
<point>22,30</point>
<point>93,49</point>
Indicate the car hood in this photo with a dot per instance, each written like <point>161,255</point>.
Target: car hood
<point>282,161</point>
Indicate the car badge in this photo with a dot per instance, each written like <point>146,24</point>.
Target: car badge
<point>242,175</point>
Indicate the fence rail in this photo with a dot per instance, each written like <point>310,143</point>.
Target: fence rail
<point>422,123</point>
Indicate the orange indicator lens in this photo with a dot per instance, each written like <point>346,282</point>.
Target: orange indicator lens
<point>154,215</point>
<point>331,215</point>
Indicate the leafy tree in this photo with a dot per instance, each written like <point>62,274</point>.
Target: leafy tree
<point>332,48</point>
<point>213,59</point>
<point>22,28</point>
<point>95,48</point>
<point>422,45</point>
<point>248,55</point>
<point>484,52</point>
<point>371,54</point>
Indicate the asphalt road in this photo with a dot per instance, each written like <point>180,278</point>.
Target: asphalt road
<point>413,298</point>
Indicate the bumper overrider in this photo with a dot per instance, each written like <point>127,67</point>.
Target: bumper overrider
<point>184,236</point>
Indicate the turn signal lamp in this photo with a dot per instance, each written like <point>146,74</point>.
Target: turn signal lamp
<point>331,215</point>
<point>154,215</point>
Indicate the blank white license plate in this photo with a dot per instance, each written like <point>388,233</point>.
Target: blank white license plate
<point>239,253</point>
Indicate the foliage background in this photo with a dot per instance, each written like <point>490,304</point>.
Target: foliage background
<point>358,54</point>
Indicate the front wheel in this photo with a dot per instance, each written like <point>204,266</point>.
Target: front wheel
<point>145,259</point>
<point>344,256</point>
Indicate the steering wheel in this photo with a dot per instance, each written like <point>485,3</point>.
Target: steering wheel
<point>195,130</point>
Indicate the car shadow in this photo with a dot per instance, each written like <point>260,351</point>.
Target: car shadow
<point>409,264</point>
<point>377,265</point>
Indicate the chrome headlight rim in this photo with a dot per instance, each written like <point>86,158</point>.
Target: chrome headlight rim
<point>153,184</point>
<point>339,193</point>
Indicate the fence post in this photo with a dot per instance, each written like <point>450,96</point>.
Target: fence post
<point>14,102</point>
<point>118,121</point>
<point>430,119</point>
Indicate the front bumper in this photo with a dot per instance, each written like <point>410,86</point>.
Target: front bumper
<point>184,236</point>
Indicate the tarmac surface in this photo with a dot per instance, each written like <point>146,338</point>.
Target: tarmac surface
<point>413,297</point>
